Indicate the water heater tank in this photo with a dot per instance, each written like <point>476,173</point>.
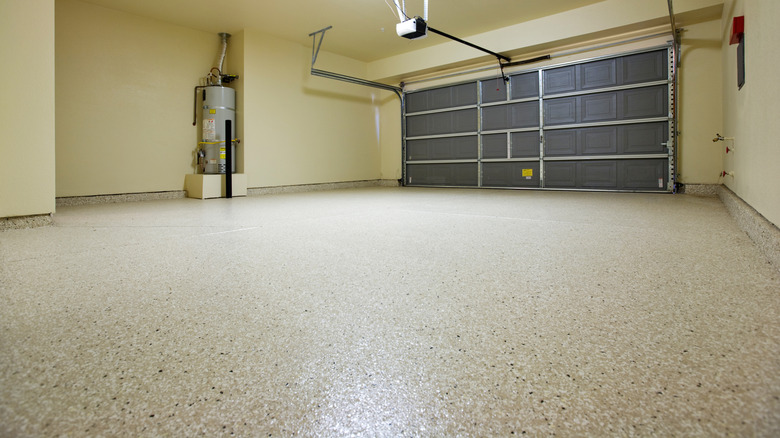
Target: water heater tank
<point>219,104</point>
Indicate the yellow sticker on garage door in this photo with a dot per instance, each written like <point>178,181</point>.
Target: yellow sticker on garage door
<point>528,173</point>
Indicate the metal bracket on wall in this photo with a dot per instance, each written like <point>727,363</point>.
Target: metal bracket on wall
<point>399,91</point>
<point>315,51</point>
<point>314,37</point>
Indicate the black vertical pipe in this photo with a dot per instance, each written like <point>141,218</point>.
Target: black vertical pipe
<point>228,159</point>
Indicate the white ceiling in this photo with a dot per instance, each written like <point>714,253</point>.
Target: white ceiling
<point>362,29</point>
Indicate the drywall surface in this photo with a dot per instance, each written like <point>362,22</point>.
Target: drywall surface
<point>390,136</point>
<point>125,100</point>
<point>27,112</point>
<point>301,129</point>
<point>750,115</point>
<point>701,104</point>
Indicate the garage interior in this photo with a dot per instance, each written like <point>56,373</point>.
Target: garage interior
<point>480,260</point>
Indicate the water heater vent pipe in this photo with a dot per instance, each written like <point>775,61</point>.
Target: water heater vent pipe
<point>222,52</point>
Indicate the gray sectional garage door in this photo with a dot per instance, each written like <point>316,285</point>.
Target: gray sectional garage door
<point>603,124</point>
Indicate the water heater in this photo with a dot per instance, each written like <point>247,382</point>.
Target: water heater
<point>219,104</point>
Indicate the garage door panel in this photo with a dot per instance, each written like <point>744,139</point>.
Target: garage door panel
<point>493,90</point>
<point>560,80</point>
<point>597,174</point>
<point>645,102</point>
<point>646,138</point>
<point>465,120</point>
<point>625,70</point>
<point>560,174</point>
<point>415,125</point>
<point>524,85</point>
<point>649,102</point>
<point>447,148</point>
<point>651,174</point>
<point>464,95</point>
<point>598,108</point>
<point>634,174</point>
<point>494,117</point>
<point>524,144</point>
<point>644,67</point>
<point>598,74</point>
<point>604,124</point>
<point>598,141</point>
<point>511,116</point>
<point>451,174</point>
<point>633,139</point>
<point>417,101</point>
<point>562,111</point>
<point>524,115</point>
<point>442,123</point>
<point>494,146</point>
<point>442,98</point>
<point>517,174</point>
<point>561,142</point>
<point>439,98</point>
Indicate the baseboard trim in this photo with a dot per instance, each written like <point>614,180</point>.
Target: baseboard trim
<point>260,191</point>
<point>69,201</point>
<point>389,182</point>
<point>22,222</point>
<point>708,190</point>
<point>122,197</point>
<point>763,233</point>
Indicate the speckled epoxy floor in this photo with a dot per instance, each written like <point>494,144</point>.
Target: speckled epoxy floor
<point>390,312</point>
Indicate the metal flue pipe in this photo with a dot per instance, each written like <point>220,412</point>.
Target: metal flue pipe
<point>222,51</point>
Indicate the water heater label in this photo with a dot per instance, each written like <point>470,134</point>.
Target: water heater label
<point>221,153</point>
<point>209,129</point>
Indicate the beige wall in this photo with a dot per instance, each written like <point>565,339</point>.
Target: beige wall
<point>124,106</point>
<point>752,114</point>
<point>701,104</point>
<point>300,129</point>
<point>124,100</point>
<point>27,112</point>
<point>390,138</point>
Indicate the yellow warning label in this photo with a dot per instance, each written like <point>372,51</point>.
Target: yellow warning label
<point>222,153</point>
<point>212,111</point>
<point>528,172</point>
